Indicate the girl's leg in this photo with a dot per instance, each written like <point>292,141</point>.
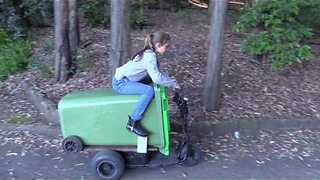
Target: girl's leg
<point>125,86</point>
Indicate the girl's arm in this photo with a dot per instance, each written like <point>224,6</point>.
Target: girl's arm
<point>153,71</point>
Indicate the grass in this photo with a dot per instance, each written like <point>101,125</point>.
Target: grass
<point>20,119</point>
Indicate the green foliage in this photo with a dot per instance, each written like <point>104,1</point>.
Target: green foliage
<point>38,12</point>
<point>20,119</point>
<point>4,38</point>
<point>233,16</point>
<point>44,69</point>
<point>185,15</point>
<point>137,19</point>
<point>178,5</point>
<point>14,55</point>
<point>96,12</point>
<point>278,31</point>
<point>48,45</point>
<point>310,16</point>
<point>17,16</point>
<point>10,20</point>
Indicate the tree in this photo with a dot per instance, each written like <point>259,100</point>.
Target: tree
<point>212,86</point>
<point>62,45</point>
<point>120,33</point>
<point>67,37</point>
<point>74,31</point>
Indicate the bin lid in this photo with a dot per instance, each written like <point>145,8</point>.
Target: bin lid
<point>94,97</point>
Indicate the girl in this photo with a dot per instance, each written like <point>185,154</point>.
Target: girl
<point>129,78</point>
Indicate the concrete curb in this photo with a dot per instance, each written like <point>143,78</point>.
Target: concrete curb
<point>45,130</point>
<point>204,128</point>
<point>251,126</point>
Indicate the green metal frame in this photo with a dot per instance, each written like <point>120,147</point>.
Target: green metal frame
<point>166,121</point>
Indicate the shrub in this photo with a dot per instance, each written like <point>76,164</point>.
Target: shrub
<point>38,64</point>
<point>14,55</point>
<point>310,16</point>
<point>17,16</point>
<point>48,45</point>
<point>96,12</point>
<point>137,19</point>
<point>278,31</point>
<point>38,12</point>
<point>11,21</point>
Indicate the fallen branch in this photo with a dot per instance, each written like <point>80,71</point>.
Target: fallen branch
<point>206,5</point>
<point>198,3</point>
<point>237,3</point>
<point>85,44</point>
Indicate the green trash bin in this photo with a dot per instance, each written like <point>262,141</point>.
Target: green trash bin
<point>99,117</point>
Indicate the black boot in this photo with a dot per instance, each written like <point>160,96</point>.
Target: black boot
<point>135,127</point>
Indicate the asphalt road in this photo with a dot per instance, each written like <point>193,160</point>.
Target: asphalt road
<point>26,154</point>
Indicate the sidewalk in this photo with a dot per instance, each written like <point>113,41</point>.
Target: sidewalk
<point>35,153</point>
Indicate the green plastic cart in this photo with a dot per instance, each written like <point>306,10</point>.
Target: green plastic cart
<point>96,120</point>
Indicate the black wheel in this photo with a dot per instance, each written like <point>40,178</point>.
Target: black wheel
<point>108,164</point>
<point>194,156</point>
<point>72,144</point>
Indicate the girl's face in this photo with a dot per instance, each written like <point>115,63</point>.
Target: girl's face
<point>161,49</point>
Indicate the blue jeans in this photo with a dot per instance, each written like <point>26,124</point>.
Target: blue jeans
<point>125,86</point>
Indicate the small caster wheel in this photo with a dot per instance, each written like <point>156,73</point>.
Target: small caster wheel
<point>108,165</point>
<point>72,144</point>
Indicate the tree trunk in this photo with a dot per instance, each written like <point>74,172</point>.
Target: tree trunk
<point>141,9</point>
<point>74,33</point>
<point>212,86</point>
<point>120,33</point>
<point>161,4</point>
<point>211,8</point>
<point>62,46</point>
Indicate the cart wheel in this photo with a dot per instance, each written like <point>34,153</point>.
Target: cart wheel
<point>72,144</point>
<point>108,164</point>
<point>195,155</point>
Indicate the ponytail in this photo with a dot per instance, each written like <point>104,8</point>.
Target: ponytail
<point>148,42</point>
<point>147,45</point>
<point>151,40</point>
